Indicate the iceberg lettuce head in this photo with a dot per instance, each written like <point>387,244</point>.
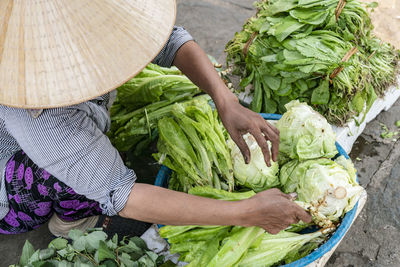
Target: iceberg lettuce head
<point>256,175</point>
<point>327,188</point>
<point>305,134</point>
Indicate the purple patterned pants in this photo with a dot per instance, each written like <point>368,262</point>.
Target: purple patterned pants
<point>34,195</point>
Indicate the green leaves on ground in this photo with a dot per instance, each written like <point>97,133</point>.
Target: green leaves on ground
<point>387,134</point>
<point>91,249</point>
<point>27,252</point>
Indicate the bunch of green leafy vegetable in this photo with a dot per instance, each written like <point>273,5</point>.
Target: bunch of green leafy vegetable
<point>235,245</point>
<point>142,101</point>
<point>91,249</point>
<point>301,49</point>
<point>193,144</point>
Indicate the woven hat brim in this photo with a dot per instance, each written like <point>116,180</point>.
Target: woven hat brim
<point>64,52</point>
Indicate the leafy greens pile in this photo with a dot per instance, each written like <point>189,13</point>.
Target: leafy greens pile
<point>194,144</point>
<point>142,101</point>
<point>235,245</point>
<point>91,249</point>
<point>321,52</point>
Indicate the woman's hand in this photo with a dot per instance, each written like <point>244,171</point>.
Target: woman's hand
<point>272,210</point>
<point>239,120</point>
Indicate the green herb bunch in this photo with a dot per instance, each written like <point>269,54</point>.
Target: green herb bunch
<point>90,249</point>
<point>321,52</point>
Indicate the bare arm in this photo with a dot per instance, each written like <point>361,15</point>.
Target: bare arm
<point>271,209</point>
<point>159,205</point>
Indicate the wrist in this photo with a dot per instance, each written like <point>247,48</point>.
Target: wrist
<point>243,212</point>
<point>224,98</point>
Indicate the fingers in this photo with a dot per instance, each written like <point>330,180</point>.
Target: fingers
<point>285,223</point>
<point>292,196</point>
<point>302,215</point>
<point>244,149</point>
<point>273,128</point>
<point>272,231</point>
<point>282,211</point>
<point>262,142</point>
<point>299,213</point>
<point>272,134</point>
<point>295,212</point>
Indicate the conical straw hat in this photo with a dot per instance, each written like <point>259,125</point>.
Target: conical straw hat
<point>61,52</point>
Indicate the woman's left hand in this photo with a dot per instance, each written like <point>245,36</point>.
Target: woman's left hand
<point>239,120</point>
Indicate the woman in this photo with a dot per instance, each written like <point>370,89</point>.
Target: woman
<point>58,63</point>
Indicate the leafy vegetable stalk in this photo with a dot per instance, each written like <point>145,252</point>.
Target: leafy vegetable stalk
<point>142,101</point>
<point>192,143</point>
<point>281,247</point>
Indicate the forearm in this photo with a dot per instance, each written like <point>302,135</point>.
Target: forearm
<point>195,64</point>
<point>159,205</point>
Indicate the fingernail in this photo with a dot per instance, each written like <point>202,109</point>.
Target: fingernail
<point>293,196</point>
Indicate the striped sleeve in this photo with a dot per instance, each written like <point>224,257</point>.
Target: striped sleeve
<point>179,36</point>
<point>69,145</point>
<point>8,145</point>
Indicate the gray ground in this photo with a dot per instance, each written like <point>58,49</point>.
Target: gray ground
<point>374,238</point>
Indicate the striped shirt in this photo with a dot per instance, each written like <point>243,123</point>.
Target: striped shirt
<point>70,143</point>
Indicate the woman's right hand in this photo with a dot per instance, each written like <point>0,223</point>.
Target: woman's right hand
<point>273,211</point>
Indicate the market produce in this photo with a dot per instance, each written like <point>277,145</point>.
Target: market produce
<point>192,143</point>
<point>319,52</point>
<point>325,187</point>
<point>91,249</point>
<point>142,101</point>
<point>256,175</point>
<point>305,134</point>
<point>284,246</point>
<point>235,245</point>
<point>199,244</point>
